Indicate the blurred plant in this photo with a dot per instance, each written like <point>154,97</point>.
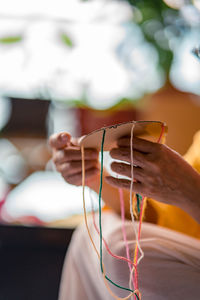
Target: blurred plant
<point>160,24</point>
<point>66,40</point>
<point>196,52</point>
<point>99,50</point>
<point>10,39</point>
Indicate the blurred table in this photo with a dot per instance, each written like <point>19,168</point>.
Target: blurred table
<point>31,260</point>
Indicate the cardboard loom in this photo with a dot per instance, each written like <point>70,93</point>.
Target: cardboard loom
<point>149,130</point>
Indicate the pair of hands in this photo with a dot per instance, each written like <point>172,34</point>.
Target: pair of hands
<point>160,172</point>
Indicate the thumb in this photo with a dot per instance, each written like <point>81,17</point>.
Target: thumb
<point>59,140</point>
<point>75,141</point>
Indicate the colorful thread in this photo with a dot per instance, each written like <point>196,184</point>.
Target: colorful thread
<point>138,198</point>
<point>136,261</point>
<point>104,241</point>
<point>124,232</point>
<point>106,278</point>
<point>141,211</point>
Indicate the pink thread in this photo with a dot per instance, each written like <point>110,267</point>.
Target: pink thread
<point>121,196</point>
<point>139,231</point>
<point>135,281</point>
<point>140,222</point>
<point>161,134</point>
<point>106,245</point>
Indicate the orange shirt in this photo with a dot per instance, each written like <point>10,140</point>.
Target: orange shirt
<point>173,217</point>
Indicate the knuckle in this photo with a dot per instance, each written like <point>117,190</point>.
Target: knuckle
<point>52,141</point>
<point>120,168</point>
<point>58,168</point>
<point>151,157</point>
<point>70,165</point>
<point>72,180</point>
<point>65,177</point>
<point>125,152</point>
<point>55,159</point>
<point>113,152</point>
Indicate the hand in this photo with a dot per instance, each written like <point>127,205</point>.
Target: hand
<point>159,173</point>
<point>67,159</point>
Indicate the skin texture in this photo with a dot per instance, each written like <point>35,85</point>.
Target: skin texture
<point>159,172</point>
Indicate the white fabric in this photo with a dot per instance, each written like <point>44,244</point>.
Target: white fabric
<point>170,269</point>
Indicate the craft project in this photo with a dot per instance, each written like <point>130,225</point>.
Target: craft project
<point>105,139</point>
<point>149,130</point>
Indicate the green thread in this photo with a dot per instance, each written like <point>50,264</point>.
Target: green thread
<point>139,198</point>
<point>117,285</point>
<point>100,191</point>
<point>100,225</point>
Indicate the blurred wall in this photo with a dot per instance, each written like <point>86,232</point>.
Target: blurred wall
<point>181,112</point>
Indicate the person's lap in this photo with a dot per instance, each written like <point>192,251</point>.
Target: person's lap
<point>170,268</point>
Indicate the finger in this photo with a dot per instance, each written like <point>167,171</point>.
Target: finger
<point>76,179</point>
<point>59,140</point>
<point>124,184</point>
<point>75,141</point>
<point>124,155</point>
<point>138,144</point>
<point>71,154</point>
<point>73,167</point>
<point>125,170</point>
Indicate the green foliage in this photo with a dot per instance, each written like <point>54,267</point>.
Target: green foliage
<point>66,40</point>
<point>196,52</point>
<point>10,39</point>
<point>157,11</point>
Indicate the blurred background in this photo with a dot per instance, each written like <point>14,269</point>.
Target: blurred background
<point>75,66</point>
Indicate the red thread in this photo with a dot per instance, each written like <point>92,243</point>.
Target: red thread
<point>106,245</point>
<point>124,231</point>
<point>140,223</point>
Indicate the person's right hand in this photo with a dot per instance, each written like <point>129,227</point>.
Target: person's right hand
<point>67,159</point>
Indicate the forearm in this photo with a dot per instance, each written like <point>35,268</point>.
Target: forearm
<point>191,203</point>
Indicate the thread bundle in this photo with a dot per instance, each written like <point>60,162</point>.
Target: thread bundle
<point>140,203</point>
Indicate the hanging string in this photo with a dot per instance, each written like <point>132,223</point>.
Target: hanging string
<point>131,193</point>
<point>137,247</point>
<point>124,235</point>
<point>138,198</point>
<point>161,134</point>
<point>136,292</point>
<point>104,241</point>
<point>105,277</point>
<point>100,191</point>
<point>136,261</point>
<point>100,224</point>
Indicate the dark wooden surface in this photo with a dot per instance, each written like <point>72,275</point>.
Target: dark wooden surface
<point>31,262</point>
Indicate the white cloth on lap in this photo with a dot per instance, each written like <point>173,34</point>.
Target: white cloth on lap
<point>170,269</point>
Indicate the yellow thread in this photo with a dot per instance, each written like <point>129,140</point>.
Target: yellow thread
<point>142,217</point>
<point>134,206</point>
<point>91,239</point>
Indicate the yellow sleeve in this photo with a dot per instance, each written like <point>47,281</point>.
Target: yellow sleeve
<point>173,217</point>
<point>193,154</point>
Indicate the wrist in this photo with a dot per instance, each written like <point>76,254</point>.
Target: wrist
<point>191,202</point>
